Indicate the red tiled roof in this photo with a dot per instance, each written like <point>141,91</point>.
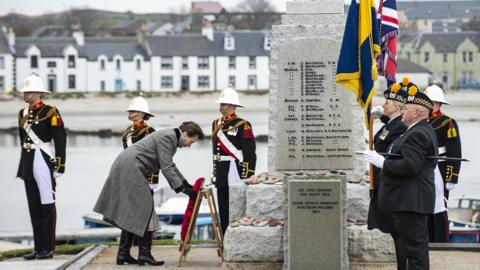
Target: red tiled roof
<point>206,7</point>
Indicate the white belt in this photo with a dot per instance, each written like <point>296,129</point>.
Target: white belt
<point>223,158</point>
<point>442,150</point>
<point>45,146</point>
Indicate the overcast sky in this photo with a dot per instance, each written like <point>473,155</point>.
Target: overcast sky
<point>37,7</point>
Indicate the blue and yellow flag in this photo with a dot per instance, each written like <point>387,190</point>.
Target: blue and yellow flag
<point>356,68</point>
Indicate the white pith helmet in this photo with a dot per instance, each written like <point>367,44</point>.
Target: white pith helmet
<point>33,83</point>
<point>229,96</point>
<point>435,93</point>
<point>139,104</point>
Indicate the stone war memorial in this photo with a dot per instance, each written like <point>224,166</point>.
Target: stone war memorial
<point>315,127</point>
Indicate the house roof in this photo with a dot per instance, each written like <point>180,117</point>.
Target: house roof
<point>406,66</point>
<point>206,7</point>
<point>126,47</point>
<point>446,42</point>
<point>415,10</point>
<point>49,46</point>
<point>4,46</point>
<point>248,43</point>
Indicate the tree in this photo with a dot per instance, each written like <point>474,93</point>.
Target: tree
<point>255,6</point>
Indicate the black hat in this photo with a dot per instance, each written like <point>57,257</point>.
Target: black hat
<point>394,93</point>
<point>416,97</point>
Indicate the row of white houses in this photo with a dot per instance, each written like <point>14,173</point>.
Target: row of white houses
<point>189,62</point>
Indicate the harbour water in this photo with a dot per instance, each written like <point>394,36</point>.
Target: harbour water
<point>89,159</point>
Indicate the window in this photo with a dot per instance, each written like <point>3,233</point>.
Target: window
<point>232,62</point>
<point>71,61</point>
<point>470,57</point>
<point>2,82</point>
<point>118,64</point>
<point>426,57</point>
<point>71,81</point>
<point>2,62</point>
<point>51,64</point>
<point>139,64</point>
<point>184,62</point>
<point>203,62</point>
<point>166,82</point>
<point>445,78</point>
<point>203,82</point>
<point>33,61</point>
<point>139,85</point>
<point>231,81</point>
<point>102,64</point>
<point>252,81</point>
<point>166,62</point>
<point>252,62</point>
<point>445,58</point>
<point>408,55</point>
<point>102,86</point>
<point>464,57</point>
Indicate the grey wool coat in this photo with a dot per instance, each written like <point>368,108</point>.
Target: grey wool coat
<point>125,200</point>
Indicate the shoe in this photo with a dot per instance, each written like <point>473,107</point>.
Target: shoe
<point>123,255</point>
<point>30,256</point>
<point>42,255</point>
<point>145,251</point>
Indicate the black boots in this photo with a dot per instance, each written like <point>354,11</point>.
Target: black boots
<point>30,256</point>
<point>123,255</point>
<point>42,255</point>
<point>144,250</point>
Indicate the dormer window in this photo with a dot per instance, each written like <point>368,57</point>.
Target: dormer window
<point>71,61</point>
<point>33,61</point>
<point>229,42</point>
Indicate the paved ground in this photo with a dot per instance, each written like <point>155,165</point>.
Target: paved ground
<point>21,264</point>
<point>198,258</point>
<point>206,258</point>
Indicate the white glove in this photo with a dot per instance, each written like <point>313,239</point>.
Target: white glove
<point>377,112</point>
<point>450,186</point>
<point>57,175</point>
<point>374,158</point>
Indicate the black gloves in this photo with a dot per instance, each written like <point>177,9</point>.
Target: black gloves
<point>190,192</point>
<point>186,184</point>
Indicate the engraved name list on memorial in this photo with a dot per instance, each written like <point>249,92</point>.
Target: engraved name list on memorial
<point>316,128</point>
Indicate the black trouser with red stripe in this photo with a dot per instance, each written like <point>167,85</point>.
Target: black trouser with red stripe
<point>223,207</point>
<point>43,218</point>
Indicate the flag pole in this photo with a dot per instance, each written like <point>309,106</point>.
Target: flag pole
<point>370,146</point>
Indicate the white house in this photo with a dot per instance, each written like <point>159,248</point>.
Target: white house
<point>191,62</point>
<point>6,60</point>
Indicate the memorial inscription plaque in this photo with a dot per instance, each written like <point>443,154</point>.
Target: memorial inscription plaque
<point>314,131</point>
<point>315,224</point>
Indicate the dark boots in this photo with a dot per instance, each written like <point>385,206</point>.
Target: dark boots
<point>123,255</point>
<point>144,250</point>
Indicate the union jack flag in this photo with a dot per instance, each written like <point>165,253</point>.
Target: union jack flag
<point>388,26</point>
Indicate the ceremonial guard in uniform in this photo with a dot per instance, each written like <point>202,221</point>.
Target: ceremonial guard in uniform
<point>41,163</point>
<point>234,155</point>
<point>407,186</point>
<point>393,128</point>
<point>138,113</point>
<point>449,144</point>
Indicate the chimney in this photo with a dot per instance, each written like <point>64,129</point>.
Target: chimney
<point>77,35</point>
<point>207,29</point>
<point>11,37</point>
<point>141,34</point>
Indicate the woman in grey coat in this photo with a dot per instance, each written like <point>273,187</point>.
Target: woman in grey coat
<point>125,200</point>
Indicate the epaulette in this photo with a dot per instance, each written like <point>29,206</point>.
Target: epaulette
<point>247,131</point>
<point>56,120</point>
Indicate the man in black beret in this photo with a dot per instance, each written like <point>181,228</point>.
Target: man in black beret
<point>407,187</point>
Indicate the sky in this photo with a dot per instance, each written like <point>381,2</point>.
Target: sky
<point>38,7</point>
